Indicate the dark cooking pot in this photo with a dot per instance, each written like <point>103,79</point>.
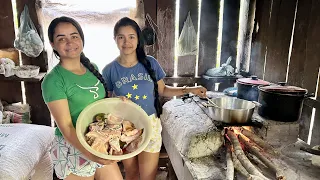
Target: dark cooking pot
<point>248,88</point>
<point>281,103</point>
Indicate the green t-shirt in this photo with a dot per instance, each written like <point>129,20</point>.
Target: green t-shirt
<point>79,90</point>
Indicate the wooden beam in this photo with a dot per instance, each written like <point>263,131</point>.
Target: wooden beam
<point>166,24</point>
<point>39,111</point>
<point>314,103</point>
<point>259,38</point>
<point>279,38</point>
<point>297,72</point>
<point>230,31</point>
<point>182,80</point>
<point>17,79</point>
<point>208,35</point>
<point>315,138</point>
<point>244,51</point>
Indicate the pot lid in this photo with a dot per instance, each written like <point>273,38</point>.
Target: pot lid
<point>252,81</point>
<point>283,89</point>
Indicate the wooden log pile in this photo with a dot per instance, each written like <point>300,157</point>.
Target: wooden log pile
<point>251,156</point>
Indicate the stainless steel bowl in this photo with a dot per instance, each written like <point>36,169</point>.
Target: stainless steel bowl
<point>231,110</point>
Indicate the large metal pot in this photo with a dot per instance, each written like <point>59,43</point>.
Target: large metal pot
<point>281,103</point>
<point>231,110</point>
<point>248,88</point>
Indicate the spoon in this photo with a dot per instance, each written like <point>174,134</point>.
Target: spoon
<point>211,102</point>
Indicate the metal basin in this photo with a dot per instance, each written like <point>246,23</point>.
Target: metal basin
<point>231,110</point>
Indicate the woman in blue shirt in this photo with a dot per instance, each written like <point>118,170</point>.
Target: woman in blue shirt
<point>139,78</point>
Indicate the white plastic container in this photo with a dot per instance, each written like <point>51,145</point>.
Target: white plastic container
<point>127,110</point>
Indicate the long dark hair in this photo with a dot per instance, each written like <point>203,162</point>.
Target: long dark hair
<point>141,55</point>
<point>83,59</point>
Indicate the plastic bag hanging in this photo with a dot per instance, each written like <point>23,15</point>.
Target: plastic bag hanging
<point>187,43</point>
<point>225,70</point>
<point>28,40</point>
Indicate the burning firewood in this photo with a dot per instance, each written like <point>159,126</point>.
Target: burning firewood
<point>230,167</point>
<point>258,141</point>
<point>242,157</point>
<point>257,162</point>
<point>254,150</point>
<point>238,166</point>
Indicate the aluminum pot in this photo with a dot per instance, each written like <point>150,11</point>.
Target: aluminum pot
<point>248,88</point>
<point>231,110</point>
<point>281,103</point>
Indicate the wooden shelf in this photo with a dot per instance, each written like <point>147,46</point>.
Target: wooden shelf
<point>15,78</point>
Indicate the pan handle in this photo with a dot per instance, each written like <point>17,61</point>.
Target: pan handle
<point>256,103</point>
<point>309,95</point>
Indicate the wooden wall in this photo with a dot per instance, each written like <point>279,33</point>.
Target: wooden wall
<point>10,91</point>
<point>272,58</point>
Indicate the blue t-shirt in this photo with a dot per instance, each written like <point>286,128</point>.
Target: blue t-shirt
<point>135,83</point>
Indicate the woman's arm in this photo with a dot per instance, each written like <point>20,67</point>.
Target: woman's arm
<point>169,91</point>
<point>60,111</point>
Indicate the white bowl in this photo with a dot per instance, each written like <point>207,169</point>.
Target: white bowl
<point>26,71</point>
<point>127,110</point>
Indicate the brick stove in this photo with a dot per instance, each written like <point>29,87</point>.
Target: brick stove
<point>196,145</point>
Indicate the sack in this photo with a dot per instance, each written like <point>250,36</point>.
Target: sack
<point>18,113</point>
<point>22,147</point>
<point>44,169</point>
<point>28,40</point>
<point>225,70</point>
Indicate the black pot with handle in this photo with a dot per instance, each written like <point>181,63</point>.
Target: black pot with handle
<point>248,88</point>
<point>281,102</point>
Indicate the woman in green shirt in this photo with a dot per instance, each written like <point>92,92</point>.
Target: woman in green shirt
<point>67,89</point>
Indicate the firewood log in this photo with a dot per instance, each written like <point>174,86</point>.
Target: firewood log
<point>242,157</point>
<point>230,167</point>
<point>238,166</point>
<point>258,141</point>
<point>257,162</point>
<point>254,150</point>
<point>253,177</point>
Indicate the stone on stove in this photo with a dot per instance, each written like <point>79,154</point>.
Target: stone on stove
<point>192,131</point>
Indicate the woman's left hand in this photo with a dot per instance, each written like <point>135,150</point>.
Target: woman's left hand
<point>199,90</point>
<point>123,98</point>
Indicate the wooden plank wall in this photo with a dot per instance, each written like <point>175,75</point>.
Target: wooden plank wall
<point>230,31</point>
<point>259,38</point>
<point>208,35</point>
<point>166,23</point>
<point>279,37</point>
<point>39,111</point>
<point>272,41</point>
<point>9,91</point>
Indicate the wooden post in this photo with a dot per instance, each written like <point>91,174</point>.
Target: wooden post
<point>150,8</point>
<point>259,38</point>
<point>245,36</point>
<point>279,38</point>
<point>208,35</point>
<point>230,31</point>
<point>39,111</point>
<point>166,36</point>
